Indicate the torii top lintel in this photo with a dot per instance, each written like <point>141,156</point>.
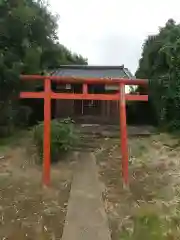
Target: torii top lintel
<point>63,79</point>
<point>48,94</point>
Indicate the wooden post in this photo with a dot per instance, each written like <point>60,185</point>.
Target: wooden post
<point>47,95</point>
<point>85,92</point>
<point>47,132</point>
<point>123,135</point>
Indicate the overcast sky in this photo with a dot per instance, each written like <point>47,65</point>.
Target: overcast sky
<point>111,32</point>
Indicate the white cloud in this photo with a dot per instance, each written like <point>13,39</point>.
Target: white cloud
<point>111,32</point>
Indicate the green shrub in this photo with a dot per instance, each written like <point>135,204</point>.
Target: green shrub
<point>63,138</point>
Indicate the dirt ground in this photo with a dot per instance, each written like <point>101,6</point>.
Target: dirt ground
<point>150,208</point>
<point>27,210</point>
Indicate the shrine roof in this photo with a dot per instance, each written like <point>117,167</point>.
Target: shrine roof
<point>90,71</point>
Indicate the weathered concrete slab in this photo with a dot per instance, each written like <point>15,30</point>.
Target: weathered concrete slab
<point>86,218</point>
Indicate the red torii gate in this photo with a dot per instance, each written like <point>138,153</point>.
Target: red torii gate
<point>48,94</point>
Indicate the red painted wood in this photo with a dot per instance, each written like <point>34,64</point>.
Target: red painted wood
<point>85,88</point>
<point>123,135</point>
<point>110,81</point>
<point>32,95</point>
<point>104,97</point>
<point>130,97</point>
<point>77,96</point>
<point>48,95</point>
<point>47,133</point>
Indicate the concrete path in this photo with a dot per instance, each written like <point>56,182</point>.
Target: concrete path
<point>86,218</point>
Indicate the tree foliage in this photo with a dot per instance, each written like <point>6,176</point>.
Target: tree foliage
<point>28,44</point>
<point>160,63</point>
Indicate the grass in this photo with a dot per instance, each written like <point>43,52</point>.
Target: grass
<point>152,225</point>
<point>15,139</point>
<point>28,211</point>
<point>159,217</point>
<point>145,227</point>
<point>150,210</point>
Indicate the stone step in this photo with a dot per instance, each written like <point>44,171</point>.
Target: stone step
<point>114,131</point>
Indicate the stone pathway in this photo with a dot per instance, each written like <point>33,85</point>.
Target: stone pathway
<point>86,218</point>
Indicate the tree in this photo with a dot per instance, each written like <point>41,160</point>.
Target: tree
<point>160,63</point>
<point>28,44</point>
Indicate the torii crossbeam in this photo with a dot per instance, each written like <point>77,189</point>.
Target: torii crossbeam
<point>48,94</point>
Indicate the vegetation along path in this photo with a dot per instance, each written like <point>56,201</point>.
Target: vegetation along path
<point>92,193</point>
